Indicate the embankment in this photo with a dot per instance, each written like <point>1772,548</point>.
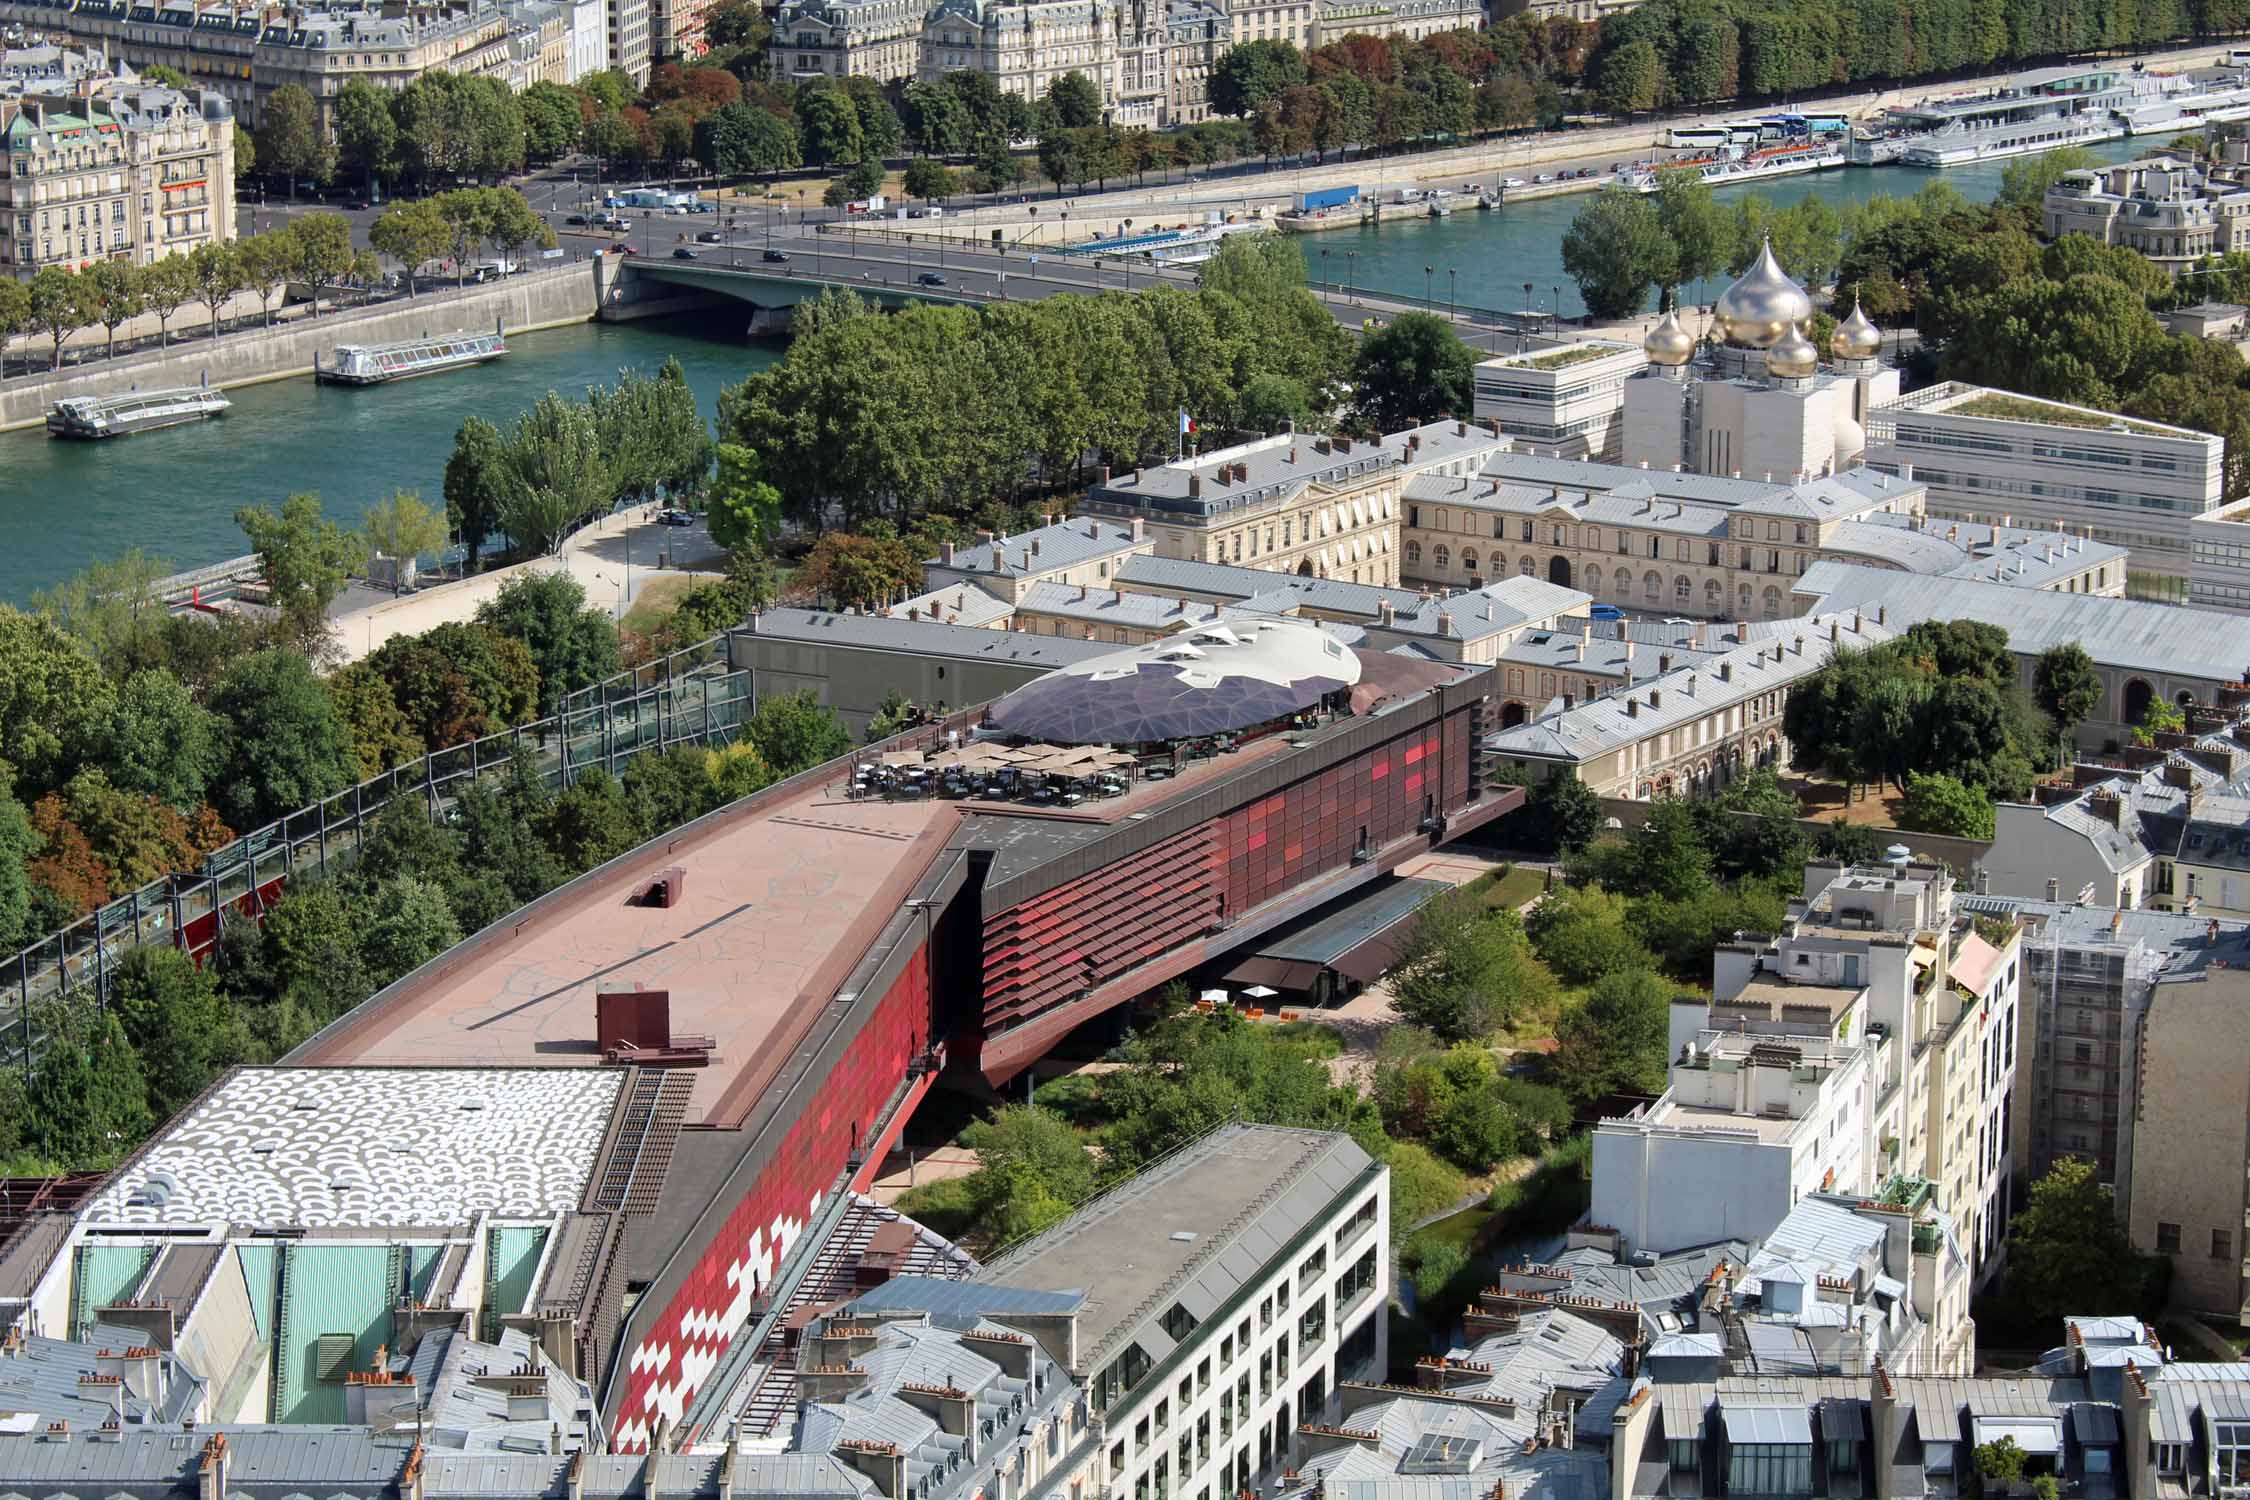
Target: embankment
<point>545,298</point>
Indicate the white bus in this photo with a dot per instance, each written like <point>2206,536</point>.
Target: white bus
<point>1697,137</point>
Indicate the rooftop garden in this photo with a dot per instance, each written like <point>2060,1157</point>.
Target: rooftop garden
<point>2024,409</point>
<point>1562,359</point>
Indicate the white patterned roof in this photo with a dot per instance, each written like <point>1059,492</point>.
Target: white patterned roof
<point>315,1147</point>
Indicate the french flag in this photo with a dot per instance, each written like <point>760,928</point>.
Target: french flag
<point>1187,424</point>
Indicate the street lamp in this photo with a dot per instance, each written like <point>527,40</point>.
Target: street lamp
<point>1558,309</point>
<point>1523,329</point>
<point>1324,272</point>
<point>1451,301</point>
<point>1351,270</point>
<point>1427,273</point>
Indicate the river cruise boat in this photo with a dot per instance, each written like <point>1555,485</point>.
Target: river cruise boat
<point>136,411</point>
<point>2036,111</point>
<point>373,364</point>
<point>1741,164</point>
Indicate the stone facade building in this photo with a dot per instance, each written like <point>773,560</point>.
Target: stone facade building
<point>110,168</point>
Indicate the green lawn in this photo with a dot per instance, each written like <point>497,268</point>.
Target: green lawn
<point>1510,887</point>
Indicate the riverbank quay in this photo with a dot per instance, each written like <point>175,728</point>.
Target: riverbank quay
<point>525,303</point>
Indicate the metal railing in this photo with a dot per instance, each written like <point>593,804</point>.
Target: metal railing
<point>689,697</point>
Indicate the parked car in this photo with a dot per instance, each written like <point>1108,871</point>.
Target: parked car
<point>1511,182</point>
<point>929,278</point>
<point>683,252</point>
<point>775,257</point>
<point>1544,177</point>
<point>575,219</point>
<point>1606,612</point>
<point>710,237</point>
<point>674,518</point>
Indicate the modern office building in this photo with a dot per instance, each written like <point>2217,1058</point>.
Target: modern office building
<point>101,166</point>
<point>1566,401</point>
<point>1998,457</point>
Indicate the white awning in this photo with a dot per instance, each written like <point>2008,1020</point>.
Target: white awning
<point>2034,1435</point>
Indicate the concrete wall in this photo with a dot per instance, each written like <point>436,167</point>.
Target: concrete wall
<point>547,298</point>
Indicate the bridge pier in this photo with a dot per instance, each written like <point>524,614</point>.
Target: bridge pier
<point>622,296</point>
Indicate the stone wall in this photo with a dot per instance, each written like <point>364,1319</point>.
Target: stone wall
<point>546,298</point>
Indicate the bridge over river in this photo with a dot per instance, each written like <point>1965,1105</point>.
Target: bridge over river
<point>896,269</point>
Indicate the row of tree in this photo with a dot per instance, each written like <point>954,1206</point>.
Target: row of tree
<point>106,1078</point>
<point>57,303</point>
<point>453,225</point>
<point>564,463</point>
<point>864,417</point>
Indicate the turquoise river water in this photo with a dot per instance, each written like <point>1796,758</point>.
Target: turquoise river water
<point>63,505</point>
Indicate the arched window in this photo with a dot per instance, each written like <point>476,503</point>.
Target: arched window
<point>1443,558</point>
<point>1773,600</point>
<point>1711,594</point>
<point>1682,589</point>
<point>1468,560</point>
<point>1652,586</point>
<point>1414,553</point>
<point>1594,581</point>
<point>1527,567</point>
<point>1746,598</point>
<point>1499,564</point>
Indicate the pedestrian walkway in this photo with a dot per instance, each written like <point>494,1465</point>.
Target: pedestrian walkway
<point>612,559</point>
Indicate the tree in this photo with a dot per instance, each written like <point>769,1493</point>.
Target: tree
<point>1075,99</point>
<point>573,646</point>
<point>306,558</point>
<point>290,139</point>
<point>54,701</point>
<point>381,735</point>
<point>859,571</point>
<point>828,127</point>
<point>1250,73</point>
<point>1631,79</point>
<point>1615,249</point>
<point>744,510</point>
<point>366,135</point>
<point>1414,370</point>
<point>931,180</point>
<point>178,1023</point>
<point>111,608</point>
<point>264,263</point>
<point>158,741</point>
<point>15,310</point>
<point>1453,968</point>
<point>1582,933</point>
<point>1698,228</point>
<point>403,528</point>
<point>2066,1251</point>
<point>560,475</point>
<point>743,139</point>
<point>284,746</point>
<point>1562,814</point>
<point>551,119</point>
<point>2065,685</point>
<point>18,844</point>
<point>57,306</point>
<point>1613,1042</point>
<point>215,271</point>
<point>480,482</point>
<point>411,234</point>
<point>590,823</point>
<point>404,923</point>
<point>1940,804</point>
<point>1032,1170</point>
<point>166,285</point>
<point>864,180</point>
<point>2160,717</point>
<point>795,731</point>
<point>86,1096</point>
<point>318,249</point>
<point>112,292</point>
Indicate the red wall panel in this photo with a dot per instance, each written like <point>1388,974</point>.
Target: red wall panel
<point>670,1363</point>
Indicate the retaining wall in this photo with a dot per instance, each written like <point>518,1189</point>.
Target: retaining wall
<point>547,298</point>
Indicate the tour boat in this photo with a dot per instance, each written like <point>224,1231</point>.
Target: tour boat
<point>135,411</point>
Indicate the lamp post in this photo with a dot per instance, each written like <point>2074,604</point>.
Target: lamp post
<point>1451,300</point>
<point>1427,273</point>
<point>1324,283</point>
<point>1523,329</point>
<point>1351,271</point>
<point>1558,308</point>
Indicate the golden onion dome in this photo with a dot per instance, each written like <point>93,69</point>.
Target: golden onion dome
<point>1856,337</point>
<point>1763,306</point>
<point>1669,343</point>
<point>1794,357</point>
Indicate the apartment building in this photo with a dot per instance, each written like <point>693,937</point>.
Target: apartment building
<point>1306,503</point>
<point>1690,729</point>
<point>879,39</point>
<point>1231,1290</point>
<point>1567,399</point>
<point>109,168</point>
<point>2190,1148</point>
<point>1869,1042</point>
<point>1997,457</point>
<point>2164,207</point>
<point>1024,46</point>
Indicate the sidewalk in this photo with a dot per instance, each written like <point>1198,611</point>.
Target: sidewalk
<point>612,559</point>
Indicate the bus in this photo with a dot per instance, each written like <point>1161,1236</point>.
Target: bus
<point>1698,137</point>
<point>1829,124</point>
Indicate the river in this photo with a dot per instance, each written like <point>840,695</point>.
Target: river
<point>64,505</point>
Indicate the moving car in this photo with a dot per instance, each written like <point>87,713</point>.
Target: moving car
<point>674,518</point>
<point>683,252</point>
<point>575,219</point>
<point>929,278</point>
<point>710,237</point>
<point>775,257</point>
